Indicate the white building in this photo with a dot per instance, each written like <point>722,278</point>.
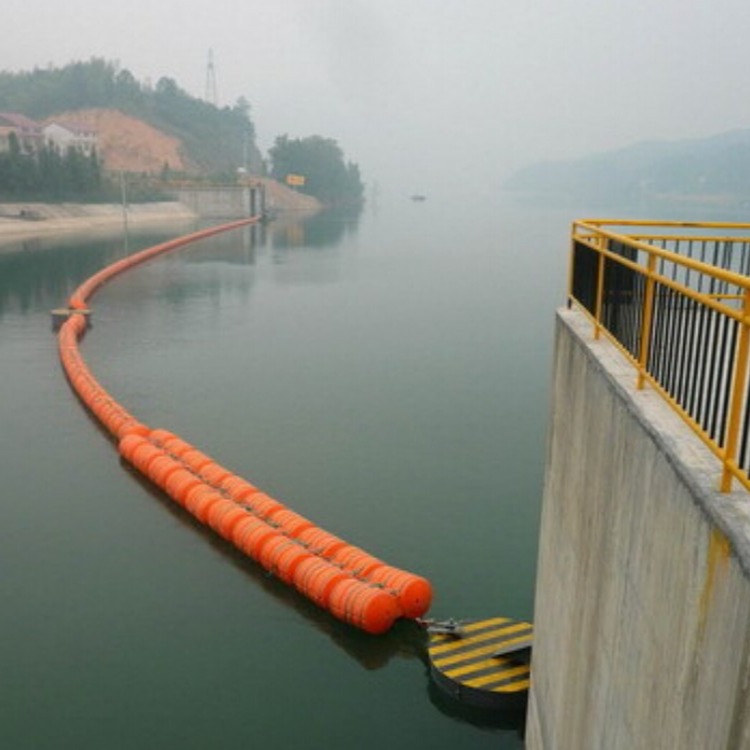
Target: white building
<point>66,135</point>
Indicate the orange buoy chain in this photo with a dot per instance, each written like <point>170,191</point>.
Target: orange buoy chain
<point>351,584</point>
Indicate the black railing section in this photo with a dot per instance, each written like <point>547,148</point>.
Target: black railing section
<point>691,356</point>
<point>622,299</point>
<point>680,323</point>
<point>585,265</point>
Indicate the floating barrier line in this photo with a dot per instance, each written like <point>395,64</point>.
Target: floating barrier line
<point>351,584</point>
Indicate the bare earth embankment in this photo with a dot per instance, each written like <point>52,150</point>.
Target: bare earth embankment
<point>129,144</point>
<point>282,198</point>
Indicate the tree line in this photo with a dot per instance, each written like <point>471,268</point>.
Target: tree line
<point>320,161</point>
<point>48,174</point>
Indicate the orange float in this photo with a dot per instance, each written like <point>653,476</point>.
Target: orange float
<point>254,539</point>
<point>176,446</point>
<point>161,468</point>
<point>289,522</point>
<point>143,455</point>
<point>129,443</point>
<point>238,489</point>
<point>320,542</point>
<point>202,507</point>
<point>370,609</point>
<point>353,585</point>
<point>316,579</point>
<point>263,505</point>
<point>356,561</point>
<point>244,527</point>
<point>218,511</point>
<point>273,548</point>
<point>414,593</point>
<point>159,437</point>
<point>288,560</point>
<point>230,520</point>
<point>213,473</point>
<point>179,485</point>
<point>193,494</point>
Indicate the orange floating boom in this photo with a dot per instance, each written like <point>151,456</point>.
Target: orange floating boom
<point>351,584</point>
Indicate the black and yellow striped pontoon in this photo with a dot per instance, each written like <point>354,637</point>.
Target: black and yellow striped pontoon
<point>483,662</point>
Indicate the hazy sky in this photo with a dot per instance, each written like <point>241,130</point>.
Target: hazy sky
<point>421,91</point>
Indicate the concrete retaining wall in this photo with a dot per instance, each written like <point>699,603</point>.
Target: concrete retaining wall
<point>642,617</point>
<point>222,202</point>
<point>230,201</point>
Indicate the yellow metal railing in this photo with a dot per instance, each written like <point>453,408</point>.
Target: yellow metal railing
<point>674,297</point>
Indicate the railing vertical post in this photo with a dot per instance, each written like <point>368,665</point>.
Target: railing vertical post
<point>646,318</point>
<point>571,263</point>
<point>739,382</point>
<point>601,260</point>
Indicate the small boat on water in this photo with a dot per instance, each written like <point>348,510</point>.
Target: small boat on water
<point>419,197</point>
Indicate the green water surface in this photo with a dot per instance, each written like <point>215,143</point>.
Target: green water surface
<point>385,376</point>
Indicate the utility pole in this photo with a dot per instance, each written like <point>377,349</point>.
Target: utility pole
<point>124,199</point>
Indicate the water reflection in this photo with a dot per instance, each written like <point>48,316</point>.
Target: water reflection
<point>42,272</point>
<point>239,246</point>
<point>510,717</point>
<point>324,229</point>
<point>36,274</point>
<point>406,640</point>
<point>233,369</point>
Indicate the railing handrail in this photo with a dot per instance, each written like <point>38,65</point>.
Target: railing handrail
<point>689,343</point>
<point>665,223</point>
<point>695,265</point>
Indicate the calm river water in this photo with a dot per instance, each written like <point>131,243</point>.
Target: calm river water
<point>386,377</point>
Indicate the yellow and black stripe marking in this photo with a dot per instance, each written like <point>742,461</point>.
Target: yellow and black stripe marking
<point>487,661</point>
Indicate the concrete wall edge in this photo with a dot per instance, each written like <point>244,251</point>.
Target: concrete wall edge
<point>681,447</point>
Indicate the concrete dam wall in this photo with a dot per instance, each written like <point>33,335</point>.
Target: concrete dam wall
<point>642,618</point>
<point>227,202</point>
<point>264,195</point>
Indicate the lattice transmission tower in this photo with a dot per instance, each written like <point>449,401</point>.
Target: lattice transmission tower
<point>212,95</point>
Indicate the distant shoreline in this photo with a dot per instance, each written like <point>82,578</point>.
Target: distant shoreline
<point>28,220</point>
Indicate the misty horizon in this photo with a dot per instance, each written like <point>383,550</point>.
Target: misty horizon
<point>419,95</point>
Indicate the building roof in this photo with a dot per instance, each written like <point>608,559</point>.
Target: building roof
<point>16,120</point>
<point>77,128</point>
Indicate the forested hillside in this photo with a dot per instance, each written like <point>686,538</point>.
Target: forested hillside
<point>216,140</point>
<point>153,133</point>
<point>713,168</point>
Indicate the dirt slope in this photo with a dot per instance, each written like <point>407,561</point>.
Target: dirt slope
<point>128,143</point>
<point>282,198</point>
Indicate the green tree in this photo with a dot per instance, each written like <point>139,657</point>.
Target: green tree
<point>18,169</point>
<point>48,175</point>
<point>321,162</point>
